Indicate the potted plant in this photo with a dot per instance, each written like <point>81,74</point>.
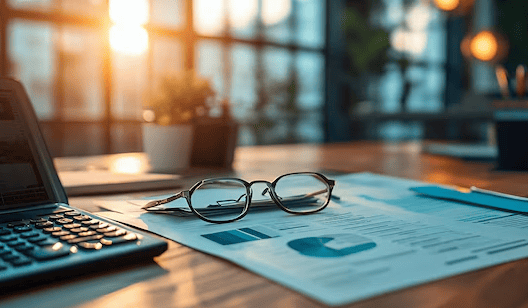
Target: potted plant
<point>171,111</point>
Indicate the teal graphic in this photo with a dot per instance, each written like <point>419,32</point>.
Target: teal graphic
<point>331,246</point>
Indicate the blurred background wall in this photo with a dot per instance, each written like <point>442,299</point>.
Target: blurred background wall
<point>294,71</point>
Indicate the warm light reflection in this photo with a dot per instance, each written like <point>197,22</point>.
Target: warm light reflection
<point>131,12</point>
<point>127,164</point>
<point>275,11</point>
<point>129,40</point>
<point>242,12</point>
<point>484,46</point>
<point>149,116</point>
<point>411,42</point>
<point>418,17</point>
<point>208,16</point>
<point>447,5</point>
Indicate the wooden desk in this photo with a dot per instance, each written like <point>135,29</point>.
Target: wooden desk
<point>182,277</point>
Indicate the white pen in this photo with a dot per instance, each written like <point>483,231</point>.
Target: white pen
<point>497,194</point>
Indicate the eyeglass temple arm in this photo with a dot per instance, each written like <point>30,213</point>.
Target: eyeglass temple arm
<point>162,201</point>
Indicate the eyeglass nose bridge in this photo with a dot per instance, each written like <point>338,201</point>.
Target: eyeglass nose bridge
<point>269,189</point>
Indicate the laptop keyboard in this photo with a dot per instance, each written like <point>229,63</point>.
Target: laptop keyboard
<point>56,235</point>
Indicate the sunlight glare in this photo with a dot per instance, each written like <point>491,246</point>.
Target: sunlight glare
<point>275,11</point>
<point>127,164</point>
<point>242,12</point>
<point>129,40</point>
<point>208,16</point>
<point>447,5</point>
<point>130,12</point>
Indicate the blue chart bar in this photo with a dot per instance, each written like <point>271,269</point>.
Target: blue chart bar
<point>236,236</point>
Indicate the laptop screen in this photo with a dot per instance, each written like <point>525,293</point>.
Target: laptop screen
<point>21,182</point>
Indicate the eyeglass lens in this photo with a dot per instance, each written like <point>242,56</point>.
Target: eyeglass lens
<point>225,199</point>
<point>302,193</point>
<point>220,199</point>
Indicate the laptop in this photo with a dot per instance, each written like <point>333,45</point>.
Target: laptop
<point>42,238</point>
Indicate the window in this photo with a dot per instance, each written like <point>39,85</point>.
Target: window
<point>87,64</point>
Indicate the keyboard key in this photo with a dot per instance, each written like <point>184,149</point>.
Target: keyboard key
<point>25,247</point>
<point>116,233</point>
<point>82,217</point>
<point>47,242</point>
<point>68,237</point>
<point>64,221</point>
<point>51,229</point>
<point>60,233</point>
<point>90,222</point>
<point>34,221</point>
<point>72,214</point>
<point>85,239</point>
<point>108,229</point>
<point>90,246</point>
<point>15,224</point>
<point>21,261</point>
<point>72,226</point>
<point>49,252</point>
<point>29,234</point>
<point>119,240</point>
<point>22,229</point>
<point>87,233</point>
<point>101,225</point>
<point>8,238</point>
<point>37,239</point>
<point>56,216</point>
<point>42,225</point>
<point>79,230</point>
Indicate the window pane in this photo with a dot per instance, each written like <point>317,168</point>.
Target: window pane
<point>128,85</point>
<point>243,81</point>
<point>32,59</point>
<point>310,23</point>
<point>41,5</point>
<point>168,13</point>
<point>81,57</point>
<point>167,57</point>
<point>276,20</point>
<point>209,17</point>
<point>209,64</point>
<point>309,76</point>
<point>243,18</point>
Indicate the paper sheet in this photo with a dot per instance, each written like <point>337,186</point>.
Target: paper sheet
<point>380,237</point>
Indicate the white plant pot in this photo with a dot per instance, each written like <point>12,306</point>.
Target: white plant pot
<point>168,147</point>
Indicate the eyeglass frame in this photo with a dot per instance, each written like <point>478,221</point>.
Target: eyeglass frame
<point>270,187</point>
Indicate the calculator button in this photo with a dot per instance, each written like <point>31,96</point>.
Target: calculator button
<point>3,266</point>
<point>90,246</point>
<point>4,231</point>
<point>119,240</point>
<point>68,237</point>
<point>79,230</point>
<point>60,233</point>
<point>29,234</point>
<point>85,239</point>
<point>8,238</point>
<point>87,233</point>
<point>42,225</point>
<point>37,239</point>
<point>99,226</point>
<point>14,244</point>
<point>15,224</point>
<point>71,214</point>
<point>116,233</point>
<point>90,222</point>
<point>56,216</point>
<point>49,252</point>
<point>64,221</point>
<point>25,247</point>
<point>71,226</point>
<point>21,261</point>
<point>10,257</point>
<point>51,229</point>
<point>22,229</point>
<point>82,217</point>
<point>106,230</point>
<point>47,242</point>
<point>35,220</point>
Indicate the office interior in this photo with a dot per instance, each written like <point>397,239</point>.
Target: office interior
<point>292,71</point>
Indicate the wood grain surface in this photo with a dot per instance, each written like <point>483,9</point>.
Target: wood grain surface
<point>183,277</point>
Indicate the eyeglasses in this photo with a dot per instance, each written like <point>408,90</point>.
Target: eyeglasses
<point>225,200</point>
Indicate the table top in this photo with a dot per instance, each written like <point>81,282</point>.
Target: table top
<point>183,277</point>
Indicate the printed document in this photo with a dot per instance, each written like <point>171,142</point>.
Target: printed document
<point>378,238</point>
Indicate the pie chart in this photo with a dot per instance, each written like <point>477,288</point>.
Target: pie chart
<point>331,246</point>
